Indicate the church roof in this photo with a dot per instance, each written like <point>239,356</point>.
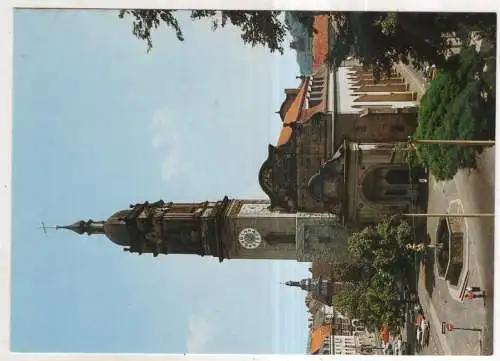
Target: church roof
<point>116,229</point>
<point>321,269</point>
<point>293,113</point>
<point>317,337</point>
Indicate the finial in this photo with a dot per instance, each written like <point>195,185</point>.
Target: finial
<point>81,227</point>
<point>44,227</point>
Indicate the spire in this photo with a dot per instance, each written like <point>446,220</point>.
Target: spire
<point>292,283</point>
<point>89,227</point>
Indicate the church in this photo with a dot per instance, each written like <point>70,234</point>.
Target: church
<point>333,169</point>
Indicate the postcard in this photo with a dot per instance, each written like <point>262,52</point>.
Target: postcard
<point>253,182</point>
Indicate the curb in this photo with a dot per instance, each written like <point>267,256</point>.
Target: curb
<point>458,292</point>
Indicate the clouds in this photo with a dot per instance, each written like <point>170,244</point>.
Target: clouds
<point>167,140</point>
<point>201,333</point>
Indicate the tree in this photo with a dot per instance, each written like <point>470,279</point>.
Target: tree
<point>350,272</point>
<point>381,39</point>
<point>375,302</point>
<point>257,27</point>
<point>459,104</point>
<point>383,245</point>
<point>374,279</point>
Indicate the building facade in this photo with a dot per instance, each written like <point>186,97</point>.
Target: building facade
<point>337,151</point>
<point>320,288</point>
<point>332,170</point>
<point>227,229</point>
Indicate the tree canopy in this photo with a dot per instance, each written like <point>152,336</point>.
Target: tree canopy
<point>263,28</point>
<point>372,282</point>
<point>459,104</point>
<point>381,39</point>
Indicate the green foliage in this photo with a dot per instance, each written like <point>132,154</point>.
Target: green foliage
<point>459,104</point>
<point>373,280</point>
<point>381,39</point>
<point>257,27</point>
<point>352,272</point>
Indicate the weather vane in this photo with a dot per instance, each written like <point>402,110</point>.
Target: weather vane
<point>44,227</point>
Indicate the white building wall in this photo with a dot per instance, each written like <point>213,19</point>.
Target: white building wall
<point>346,96</point>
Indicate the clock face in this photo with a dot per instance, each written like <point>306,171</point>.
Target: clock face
<point>249,238</point>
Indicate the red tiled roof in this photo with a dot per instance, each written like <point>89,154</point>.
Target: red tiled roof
<point>321,269</point>
<point>292,114</point>
<point>320,41</point>
<point>317,338</point>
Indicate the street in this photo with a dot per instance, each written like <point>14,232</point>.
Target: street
<point>474,190</point>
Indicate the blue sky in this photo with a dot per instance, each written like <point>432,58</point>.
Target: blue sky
<point>99,124</point>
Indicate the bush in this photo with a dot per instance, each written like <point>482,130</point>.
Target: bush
<point>459,104</point>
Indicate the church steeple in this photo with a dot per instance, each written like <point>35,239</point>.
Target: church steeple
<point>163,228</point>
<point>292,283</point>
<point>304,284</point>
<point>227,229</point>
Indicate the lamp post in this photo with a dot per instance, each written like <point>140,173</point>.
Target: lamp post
<point>458,215</point>
<point>464,142</point>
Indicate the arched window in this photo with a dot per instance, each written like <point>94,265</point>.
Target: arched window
<point>398,176</point>
<point>386,185</point>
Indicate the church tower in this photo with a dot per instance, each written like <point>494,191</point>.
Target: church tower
<point>238,229</point>
<point>304,284</point>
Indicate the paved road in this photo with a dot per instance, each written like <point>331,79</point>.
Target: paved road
<point>477,194</point>
<point>476,191</point>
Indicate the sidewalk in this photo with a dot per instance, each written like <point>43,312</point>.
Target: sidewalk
<point>434,320</point>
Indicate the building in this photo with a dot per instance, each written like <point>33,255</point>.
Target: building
<point>336,150</point>
<point>332,170</point>
<point>350,337</point>
<point>228,229</point>
<point>311,45</point>
<point>323,269</point>
<point>320,288</point>
<point>320,341</point>
<point>344,345</point>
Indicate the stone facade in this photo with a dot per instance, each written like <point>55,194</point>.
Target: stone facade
<point>376,124</point>
<point>376,186</point>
